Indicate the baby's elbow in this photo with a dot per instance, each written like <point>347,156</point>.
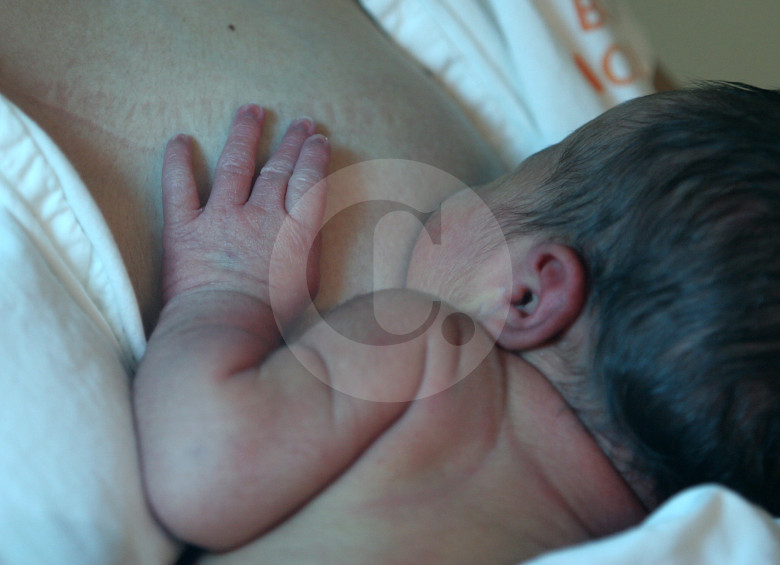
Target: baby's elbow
<point>195,494</point>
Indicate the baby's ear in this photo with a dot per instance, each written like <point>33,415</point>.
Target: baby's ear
<point>548,295</point>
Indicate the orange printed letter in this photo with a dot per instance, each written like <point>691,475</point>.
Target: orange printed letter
<point>588,73</point>
<point>591,13</point>
<point>619,66</point>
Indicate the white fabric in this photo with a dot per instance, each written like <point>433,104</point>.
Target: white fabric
<point>70,333</point>
<point>707,525</point>
<point>70,336</point>
<point>528,72</point>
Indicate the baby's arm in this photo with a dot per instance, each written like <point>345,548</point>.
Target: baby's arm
<point>196,388</point>
<point>235,433</point>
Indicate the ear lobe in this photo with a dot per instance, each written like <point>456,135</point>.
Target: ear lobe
<point>547,296</point>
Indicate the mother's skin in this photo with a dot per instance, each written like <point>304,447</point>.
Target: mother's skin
<point>111,82</point>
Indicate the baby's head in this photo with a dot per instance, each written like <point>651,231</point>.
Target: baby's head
<point>659,226</point>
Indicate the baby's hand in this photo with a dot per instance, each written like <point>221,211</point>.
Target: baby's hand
<point>227,244</point>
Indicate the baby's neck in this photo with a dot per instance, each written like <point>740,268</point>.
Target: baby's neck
<point>571,461</point>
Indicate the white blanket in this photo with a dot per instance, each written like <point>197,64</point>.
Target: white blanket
<point>528,72</point>
<point>708,525</point>
<point>70,336</point>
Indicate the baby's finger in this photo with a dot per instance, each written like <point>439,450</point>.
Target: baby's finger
<point>270,187</point>
<point>306,191</point>
<point>236,164</point>
<point>179,191</point>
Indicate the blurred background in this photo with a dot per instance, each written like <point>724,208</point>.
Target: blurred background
<point>714,39</point>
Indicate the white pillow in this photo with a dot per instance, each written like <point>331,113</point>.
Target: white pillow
<point>706,525</point>
<point>70,336</point>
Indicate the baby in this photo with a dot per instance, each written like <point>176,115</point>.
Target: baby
<point>633,294</point>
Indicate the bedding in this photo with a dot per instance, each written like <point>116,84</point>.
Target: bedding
<point>706,525</point>
<point>527,72</point>
<point>70,334</point>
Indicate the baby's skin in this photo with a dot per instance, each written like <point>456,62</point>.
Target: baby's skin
<point>326,450</point>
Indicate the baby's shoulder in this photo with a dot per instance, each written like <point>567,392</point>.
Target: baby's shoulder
<point>400,345</point>
<point>462,403</point>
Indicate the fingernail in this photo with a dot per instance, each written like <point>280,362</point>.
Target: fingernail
<point>252,109</point>
<point>182,138</point>
<point>319,138</point>
<point>304,123</point>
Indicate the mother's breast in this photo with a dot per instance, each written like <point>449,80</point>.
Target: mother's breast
<point>111,83</point>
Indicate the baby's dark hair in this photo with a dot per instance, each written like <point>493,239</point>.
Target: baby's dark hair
<point>673,203</point>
